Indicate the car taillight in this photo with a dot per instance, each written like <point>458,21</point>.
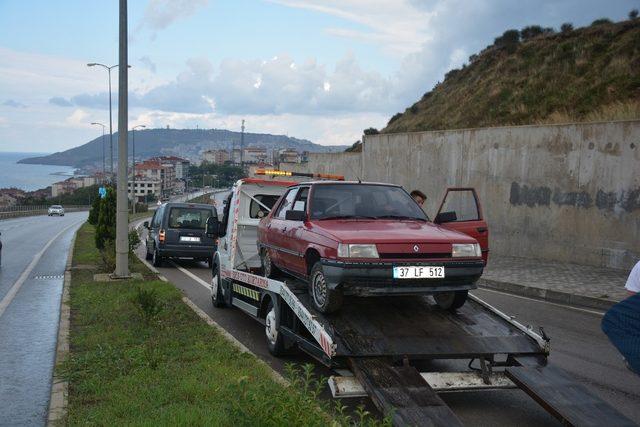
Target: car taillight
<point>161,236</point>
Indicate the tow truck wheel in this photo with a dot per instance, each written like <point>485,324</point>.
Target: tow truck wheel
<point>216,288</point>
<point>268,269</point>
<point>325,300</point>
<point>451,300</point>
<point>148,255</point>
<point>275,342</point>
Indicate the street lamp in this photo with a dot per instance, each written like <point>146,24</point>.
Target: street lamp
<point>133,178</point>
<point>93,64</point>
<point>103,126</point>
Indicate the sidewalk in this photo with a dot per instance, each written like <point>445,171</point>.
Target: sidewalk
<point>572,284</point>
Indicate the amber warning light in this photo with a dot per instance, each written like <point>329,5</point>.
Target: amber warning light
<point>276,172</point>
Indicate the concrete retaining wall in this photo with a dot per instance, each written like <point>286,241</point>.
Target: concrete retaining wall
<point>563,192</point>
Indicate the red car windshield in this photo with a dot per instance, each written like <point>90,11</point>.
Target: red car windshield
<point>338,201</point>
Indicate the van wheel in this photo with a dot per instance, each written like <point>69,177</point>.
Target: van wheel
<point>451,300</point>
<point>210,262</point>
<point>275,342</point>
<point>217,299</point>
<point>157,259</point>
<point>268,269</point>
<point>325,300</point>
<point>148,255</point>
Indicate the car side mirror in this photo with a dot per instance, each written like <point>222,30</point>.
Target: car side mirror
<point>295,215</point>
<point>213,227</point>
<point>146,224</point>
<point>443,217</point>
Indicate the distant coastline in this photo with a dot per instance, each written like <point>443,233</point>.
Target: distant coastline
<point>30,176</point>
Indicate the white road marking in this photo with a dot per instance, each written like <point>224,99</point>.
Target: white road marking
<point>193,276</point>
<point>25,274</point>
<point>597,313</point>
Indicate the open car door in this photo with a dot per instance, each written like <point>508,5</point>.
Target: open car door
<point>460,210</point>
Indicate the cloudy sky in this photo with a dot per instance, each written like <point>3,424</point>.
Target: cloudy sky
<point>321,70</point>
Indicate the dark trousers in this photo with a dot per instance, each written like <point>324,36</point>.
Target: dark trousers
<point>622,325</point>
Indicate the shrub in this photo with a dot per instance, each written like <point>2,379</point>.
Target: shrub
<point>527,33</point>
<point>94,212</point>
<point>108,255</point>
<point>134,241</point>
<point>601,21</point>
<point>393,118</point>
<point>633,14</point>
<point>106,226</point>
<point>414,108</point>
<point>566,27</point>
<point>371,131</point>
<point>508,40</point>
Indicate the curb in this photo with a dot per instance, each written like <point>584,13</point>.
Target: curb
<point>58,400</point>
<point>565,298</point>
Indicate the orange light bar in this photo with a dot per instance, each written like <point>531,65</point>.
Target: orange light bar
<point>276,172</point>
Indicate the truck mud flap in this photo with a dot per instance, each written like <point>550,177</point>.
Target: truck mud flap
<point>402,392</point>
<point>562,397</point>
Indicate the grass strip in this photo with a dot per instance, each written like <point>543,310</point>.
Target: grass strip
<point>140,356</point>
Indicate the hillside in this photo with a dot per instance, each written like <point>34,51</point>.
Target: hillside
<point>187,143</point>
<point>525,77</point>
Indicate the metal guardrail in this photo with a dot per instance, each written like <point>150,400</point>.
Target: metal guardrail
<point>29,210</point>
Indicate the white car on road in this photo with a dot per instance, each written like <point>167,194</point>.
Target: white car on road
<point>56,210</point>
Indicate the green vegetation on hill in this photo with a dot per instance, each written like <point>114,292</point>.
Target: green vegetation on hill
<point>537,75</point>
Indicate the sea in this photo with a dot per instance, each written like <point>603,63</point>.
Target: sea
<point>29,177</point>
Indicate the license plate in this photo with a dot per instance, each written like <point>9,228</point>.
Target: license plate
<point>189,239</point>
<point>417,272</point>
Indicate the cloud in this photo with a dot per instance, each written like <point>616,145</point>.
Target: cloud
<point>148,64</point>
<point>79,118</point>
<point>13,104</point>
<point>160,14</point>
<point>60,101</point>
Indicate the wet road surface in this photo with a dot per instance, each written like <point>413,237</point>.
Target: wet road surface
<point>34,256</point>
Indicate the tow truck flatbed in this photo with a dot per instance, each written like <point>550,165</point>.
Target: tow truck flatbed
<point>380,345</point>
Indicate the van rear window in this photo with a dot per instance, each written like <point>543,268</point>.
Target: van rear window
<point>191,218</point>
<point>258,211</point>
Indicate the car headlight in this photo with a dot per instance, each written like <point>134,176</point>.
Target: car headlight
<point>465,250</point>
<point>357,251</point>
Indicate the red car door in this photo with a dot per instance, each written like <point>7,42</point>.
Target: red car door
<point>276,229</point>
<point>295,236</point>
<point>460,210</point>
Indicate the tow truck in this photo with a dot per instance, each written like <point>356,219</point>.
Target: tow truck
<point>403,351</point>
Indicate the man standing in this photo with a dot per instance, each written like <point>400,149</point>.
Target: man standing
<point>419,197</point>
<point>622,322</point>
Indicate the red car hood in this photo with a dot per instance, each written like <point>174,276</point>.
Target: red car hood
<point>388,231</point>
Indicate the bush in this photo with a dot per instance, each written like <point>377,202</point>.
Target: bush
<point>414,109</point>
<point>371,131</point>
<point>566,27</point>
<point>633,14</point>
<point>134,242</point>
<point>601,21</point>
<point>527,33</point>
<point>147,303</point>
<point>94,212</point>
<point>108,255</point>
<point>508,40</point>
<point>393,118</point>
<point>106,226</point>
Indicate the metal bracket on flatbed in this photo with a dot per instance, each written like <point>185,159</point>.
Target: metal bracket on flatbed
<point>345,385</point>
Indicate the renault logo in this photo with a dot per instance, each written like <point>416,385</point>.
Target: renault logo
<point>416,248</point>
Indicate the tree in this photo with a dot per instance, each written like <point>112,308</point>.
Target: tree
<point>393,118</point>
<point>527,33</point>
<point>94,212</point>
<point>371,131</point>
<point>106,227</point>
<point>633,14</point>
<point>601,21</point>
<point>566,27</point>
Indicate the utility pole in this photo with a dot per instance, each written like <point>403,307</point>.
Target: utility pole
<point>242,145</point>
<point>103,161</point>
<point>122,208</point>
<point>133,173</point>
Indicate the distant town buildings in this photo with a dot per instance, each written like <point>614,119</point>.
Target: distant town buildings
<point>217,157</point>
<point>180,165</point>
<point>70,185</point>
<point>156,171</point>
<point>253,156</point>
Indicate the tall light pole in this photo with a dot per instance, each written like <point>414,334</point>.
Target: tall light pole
<point>103,126</point>
<point>106,67</point>
<point>122,204</point>
<point>133,175</point>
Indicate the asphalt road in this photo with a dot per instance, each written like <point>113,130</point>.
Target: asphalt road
<point>34,256</point>
<point>577,345</point>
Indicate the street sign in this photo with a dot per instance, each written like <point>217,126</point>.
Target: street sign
<point>103,192</point>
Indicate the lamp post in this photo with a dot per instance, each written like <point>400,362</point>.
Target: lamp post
<point>103,126</point>
<point>133,174</point>
<point>106,67</point>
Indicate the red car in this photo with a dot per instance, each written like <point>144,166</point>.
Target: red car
<point>365,239</point>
